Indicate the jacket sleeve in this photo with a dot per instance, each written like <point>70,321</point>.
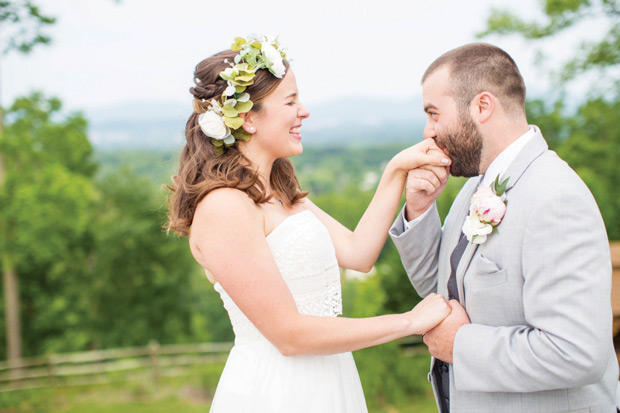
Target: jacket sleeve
<point>418,247</point>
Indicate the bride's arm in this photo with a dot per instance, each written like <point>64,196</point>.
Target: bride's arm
<point>228,238</point>
<point>359,249</point>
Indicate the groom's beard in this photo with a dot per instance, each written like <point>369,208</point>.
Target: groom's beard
<point>464,147</point>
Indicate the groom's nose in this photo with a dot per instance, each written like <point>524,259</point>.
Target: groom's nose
<point>429,130</point>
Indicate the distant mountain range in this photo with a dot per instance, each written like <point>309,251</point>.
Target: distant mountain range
<point>346,122</point>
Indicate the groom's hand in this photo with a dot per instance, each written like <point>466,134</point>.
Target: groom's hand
<point>440,340</point>
<point>424,184</point>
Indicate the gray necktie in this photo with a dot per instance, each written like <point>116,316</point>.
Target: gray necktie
<point>455,258</point>
<point>457,253</point>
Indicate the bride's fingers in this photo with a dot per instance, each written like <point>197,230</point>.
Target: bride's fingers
<point>424,153</point>
<point>429,312</point>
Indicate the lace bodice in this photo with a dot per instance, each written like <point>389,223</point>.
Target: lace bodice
<point>305,256</point>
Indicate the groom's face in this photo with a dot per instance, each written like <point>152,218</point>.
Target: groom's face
<point>454,130</point>
<point>463,144</point>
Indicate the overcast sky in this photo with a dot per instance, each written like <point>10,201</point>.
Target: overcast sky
<point>106,53</point>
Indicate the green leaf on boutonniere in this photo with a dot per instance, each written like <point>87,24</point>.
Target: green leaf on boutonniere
<point>499,188</point>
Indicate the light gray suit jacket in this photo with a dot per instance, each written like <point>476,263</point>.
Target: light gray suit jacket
<point>537,293</point>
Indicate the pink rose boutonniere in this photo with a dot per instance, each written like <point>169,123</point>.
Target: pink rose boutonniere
<point>487,208</point>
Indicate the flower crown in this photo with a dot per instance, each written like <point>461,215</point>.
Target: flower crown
<point>221,122</point>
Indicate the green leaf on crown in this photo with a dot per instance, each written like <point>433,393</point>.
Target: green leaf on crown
<point>216,142</point>
<point>241,134</point>
<point>229,111</point>
<point>243,107</point>
<point>243,80</point>
<point>244,67</point>
<point>234,123</point>
<point>236,46</point>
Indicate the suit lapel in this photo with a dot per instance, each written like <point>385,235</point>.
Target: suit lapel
<point>536,147</point>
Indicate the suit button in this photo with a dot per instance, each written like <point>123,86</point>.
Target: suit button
<point>444,368</point>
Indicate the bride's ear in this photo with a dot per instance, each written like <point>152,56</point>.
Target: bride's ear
<point>248,124</point>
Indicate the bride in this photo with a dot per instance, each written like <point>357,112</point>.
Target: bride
<point>271,253</point>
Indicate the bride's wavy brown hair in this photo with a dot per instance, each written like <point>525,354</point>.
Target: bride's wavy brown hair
<point>201,170</point>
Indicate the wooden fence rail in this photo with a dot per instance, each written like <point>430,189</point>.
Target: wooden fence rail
<point>127,364</point>
<point>105,366</point>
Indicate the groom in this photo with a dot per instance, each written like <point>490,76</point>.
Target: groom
<point>530,330</point>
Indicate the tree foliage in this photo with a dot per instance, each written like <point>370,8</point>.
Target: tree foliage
<point>593,150</point>
<point>144,282</point>
<point>45,204</point>
<point>26,25</point>
<point>561,15</point>
<point>588,139</point>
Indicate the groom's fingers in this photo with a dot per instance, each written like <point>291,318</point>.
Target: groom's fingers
<point>459,312</point>
<point>442,172</point>
<point>423,180</point>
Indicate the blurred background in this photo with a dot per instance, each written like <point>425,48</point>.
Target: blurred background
<point>101,310</point>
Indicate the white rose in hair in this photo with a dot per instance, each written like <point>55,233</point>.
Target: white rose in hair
<point>278,69</point>
<point>273,59</point>
<point>213,125</point>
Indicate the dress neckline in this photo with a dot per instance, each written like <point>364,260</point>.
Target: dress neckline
<point>281,224</point>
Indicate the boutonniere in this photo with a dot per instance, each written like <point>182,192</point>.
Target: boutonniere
<point>486,210</point>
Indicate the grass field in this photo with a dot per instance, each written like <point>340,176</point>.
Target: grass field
<point>190,393</point>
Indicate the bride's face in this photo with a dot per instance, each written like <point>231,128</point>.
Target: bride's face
<point>278,123</point>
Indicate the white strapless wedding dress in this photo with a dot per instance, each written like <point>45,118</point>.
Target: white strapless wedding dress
<point>257,378</point>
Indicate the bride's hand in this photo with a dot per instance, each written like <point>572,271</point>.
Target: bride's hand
<point>427,180</point>
<point>428,313</point>
<point>423,154</point>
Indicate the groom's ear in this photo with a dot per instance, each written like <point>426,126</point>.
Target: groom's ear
<point>483,106</point>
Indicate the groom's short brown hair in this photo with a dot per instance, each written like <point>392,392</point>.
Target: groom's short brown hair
<point>479,67</point>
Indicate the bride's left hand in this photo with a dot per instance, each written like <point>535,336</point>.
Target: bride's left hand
<point>428,313</point>
<point>423,154</point>
<point>440,340</point>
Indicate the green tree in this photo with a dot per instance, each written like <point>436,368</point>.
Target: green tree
<point>588,140</point>
<point>44,202</point>
<point>146,285</point>
<point>602,56</point>
<point>593,150</point>
<point>23,27</point>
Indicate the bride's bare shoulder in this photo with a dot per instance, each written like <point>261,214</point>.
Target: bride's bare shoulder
<point>226,203</point>
<point>224,213</point>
